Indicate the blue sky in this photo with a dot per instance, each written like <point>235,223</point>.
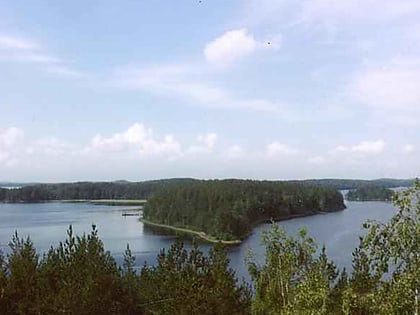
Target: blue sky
<point>280,89</point>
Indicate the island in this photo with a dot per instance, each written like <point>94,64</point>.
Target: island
<point>227,210</point>
<point>370,193</point>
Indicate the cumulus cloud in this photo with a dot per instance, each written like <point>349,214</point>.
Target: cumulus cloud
<point>275,149</point>
<point>139,138</point>
<point>229,47</point>
<point>234,45</point>
<point>363,147</point>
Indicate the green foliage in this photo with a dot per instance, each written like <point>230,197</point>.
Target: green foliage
<point>191,283</point>
<point>80,277</point>
<point>73,273</point>
<point>86,190</point>
<point>21,287</point>
<point>4,300</point>
<point>385,277</point>
<point>143,190</point>
<point>356,183</point>
<point>228,209</point>
<point>366,193</point>
<point>393,250</point>
<point>293,279</point>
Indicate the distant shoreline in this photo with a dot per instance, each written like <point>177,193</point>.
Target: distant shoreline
<point>364,200</point>
<point>105,202</point>
<point>110,202</point>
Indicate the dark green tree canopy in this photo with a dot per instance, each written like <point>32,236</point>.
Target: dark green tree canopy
<point>228,209</point>
<point>368,193</point>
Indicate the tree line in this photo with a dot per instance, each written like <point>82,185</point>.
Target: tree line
<point>366,193</point>
<point>79,277</point>
<point>142,190</point>
<point>343,184</point>
<point>228,209</point>
<point>86,190</point>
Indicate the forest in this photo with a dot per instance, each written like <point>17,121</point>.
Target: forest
<point>229,209</point>
<point>366,193</point>
<point>342,184</point>
<point>142,190</point>
<point>78,276</point>
<point>86,190</point>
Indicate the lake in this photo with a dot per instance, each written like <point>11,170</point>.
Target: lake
<point>46,224</point>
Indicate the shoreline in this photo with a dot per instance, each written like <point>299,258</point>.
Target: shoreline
<point>363,200</point>
<point>200,234</point>
<point>105,202</point>
<point>209,238</point>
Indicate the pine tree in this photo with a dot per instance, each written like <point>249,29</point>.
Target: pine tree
<point>22,264</point>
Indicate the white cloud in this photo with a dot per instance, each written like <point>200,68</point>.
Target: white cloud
<point>275,149</point>
<point>139,146</point>
<point>13,49</point>
<point>393,87</point>
<point>362,147</point>
<point>186,82</point>
<point>237,44</point>
<point>229,47</point>
<point>9,137</point>
<point>408,148</point>
<point>208,139</point>
<point>138,138</point>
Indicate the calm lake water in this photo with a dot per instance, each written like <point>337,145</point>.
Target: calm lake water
<point>46,224</point>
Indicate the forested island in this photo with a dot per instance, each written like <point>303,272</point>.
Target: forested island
<point>367,193</point>
<point>228,209</point>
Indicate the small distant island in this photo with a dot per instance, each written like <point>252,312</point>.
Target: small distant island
<point>370,193</point>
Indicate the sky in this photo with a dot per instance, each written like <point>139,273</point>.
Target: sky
<point>264,89</point>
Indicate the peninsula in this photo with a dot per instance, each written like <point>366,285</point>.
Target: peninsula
<point>227,210</point>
